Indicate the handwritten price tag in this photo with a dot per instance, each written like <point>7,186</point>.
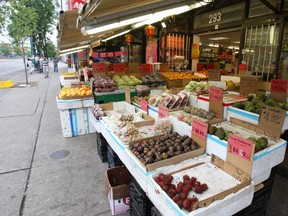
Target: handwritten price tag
<point>214,75</point>
<point>199,128</point>
<point>279,86</point>
<point>162,112</point>
<point>99,67</point>
<point>216,94</point>
<point>240,147</point>
<point>146,68</point>
<point>144,105</point>
<point>119,67</point>
<point>271,120</point>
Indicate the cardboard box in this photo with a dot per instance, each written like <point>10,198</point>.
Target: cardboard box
<point>117,189</point>
<point>169,161</point>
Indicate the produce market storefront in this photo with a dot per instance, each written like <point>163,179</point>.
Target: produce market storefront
<point>243,37</point>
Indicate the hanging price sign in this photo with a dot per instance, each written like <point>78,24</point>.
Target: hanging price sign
<point>271,120</point>
<point>162,112</point>
<point>110,54</point>
<point>240,147</point>
<point>199,128</point>
<point>118,53</point>
<point>216,94</point>
<point>144,105</point>
<point>103,55</point>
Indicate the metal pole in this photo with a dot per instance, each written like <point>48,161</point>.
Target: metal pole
<point>256,36</point>
<point>271,53</point>
<point>250,42</point>
<point>265,52</point>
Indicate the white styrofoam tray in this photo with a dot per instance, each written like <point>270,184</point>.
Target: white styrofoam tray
<point>217,181</point>
<point>263,161</point>
<point>250,117</point>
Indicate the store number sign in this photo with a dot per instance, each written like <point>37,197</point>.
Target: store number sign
<point>214,18</point>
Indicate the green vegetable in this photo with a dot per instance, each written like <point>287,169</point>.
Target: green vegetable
<point>227,134</point>
<point>271,102</point>
<point>239,105</point>
<point>250,97</point>
<point>212,130</point>
<point>253,139</point>
<point>263,142</point>
<point>220,133</point>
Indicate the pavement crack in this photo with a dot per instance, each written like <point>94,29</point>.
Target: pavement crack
<point>12,171</point>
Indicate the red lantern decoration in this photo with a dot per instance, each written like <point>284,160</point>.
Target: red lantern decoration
<point>195,51</point>
<point>150,30</point>
<point>129,38</point>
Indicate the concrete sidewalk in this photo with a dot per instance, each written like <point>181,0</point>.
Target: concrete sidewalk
<point>32,182</point>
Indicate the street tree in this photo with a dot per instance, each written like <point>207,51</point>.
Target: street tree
<point>5,49</point>
<point>51,49</point>
<point>22,23</point>
<point>47,10</point>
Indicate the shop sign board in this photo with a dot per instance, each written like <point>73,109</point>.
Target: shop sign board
<point>76,4</point>
<point>82,55</point>
<point>220,16</point>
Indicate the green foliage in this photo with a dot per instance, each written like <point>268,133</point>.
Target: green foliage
<point>5,50</point>
<point>22,21</point>
<point>51,49</point>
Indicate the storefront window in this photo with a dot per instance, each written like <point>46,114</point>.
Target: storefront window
<point>257,8</point>
<point>260,50</point>
<point>283,64</point>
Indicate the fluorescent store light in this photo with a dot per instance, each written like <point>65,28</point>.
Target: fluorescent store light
<point>67,53</point>
<point>74,48</point>
<point>88,30</point>
<point>158,16</point>
<point>116,35</point>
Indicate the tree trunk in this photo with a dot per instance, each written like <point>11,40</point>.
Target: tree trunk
<point>25,64</point>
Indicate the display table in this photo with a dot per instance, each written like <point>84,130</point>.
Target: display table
<point>229,205</point>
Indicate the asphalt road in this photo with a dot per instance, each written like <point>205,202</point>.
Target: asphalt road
<point>12,69</point>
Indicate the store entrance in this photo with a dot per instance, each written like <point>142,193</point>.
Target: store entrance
<point>219,50</point>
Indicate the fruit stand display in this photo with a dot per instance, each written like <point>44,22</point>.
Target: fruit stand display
<point>176,162</point>
<point>181,79</point>
<point>74,105</point>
